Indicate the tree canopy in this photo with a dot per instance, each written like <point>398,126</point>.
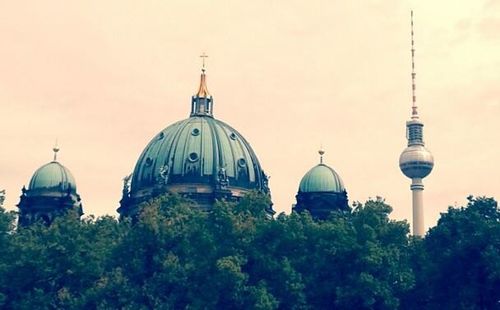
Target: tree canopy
<point>176,256</point>
<point>457,265</point>
<point>2,197</point>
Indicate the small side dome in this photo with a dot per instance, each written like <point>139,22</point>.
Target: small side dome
<point>51,193</point>
<point>52,175</point>
<point>321,178</point>
<point>321,191</point>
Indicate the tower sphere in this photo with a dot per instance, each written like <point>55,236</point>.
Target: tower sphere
<point>416,161</point>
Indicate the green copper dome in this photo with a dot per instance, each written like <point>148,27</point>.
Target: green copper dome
<point>50,193</point>
<point>52,175</point>
<point>200,157</point>
<point>321,178</point>
<point>321,192</point>
<point>195,151</point>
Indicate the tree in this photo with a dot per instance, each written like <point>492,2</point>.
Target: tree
<point>235,256</point>
<point>458,261</point>
<point>2,197</point>
<point>53,266</point>
<point>175,255</point>
<point>352,260</point>
<point>6,251</point>
<point>360,260</point>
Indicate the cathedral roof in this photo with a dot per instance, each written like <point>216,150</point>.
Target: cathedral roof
<point>321,178</point>
<point>198,154</point>
<point>52,175</point>
<point>194,150</point>
<point>51,192</point>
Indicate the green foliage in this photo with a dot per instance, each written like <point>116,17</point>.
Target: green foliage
<point>176,256</point>
<point>458,261</point>
<point>6,249</point>
<point>50,267</point>
<point>2,197</point>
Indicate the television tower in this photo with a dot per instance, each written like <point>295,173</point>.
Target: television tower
<point>416,162</point>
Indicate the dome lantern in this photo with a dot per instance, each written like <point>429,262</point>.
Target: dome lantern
<point>202,102</point>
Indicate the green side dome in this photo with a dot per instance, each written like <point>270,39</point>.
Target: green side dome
<point>52,175</point>
<point>51,193</point>
<point>321,178</point>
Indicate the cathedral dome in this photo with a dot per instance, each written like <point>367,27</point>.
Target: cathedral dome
<point>321,178</point>
<point>52,175</point>
<point>195,151</point>
<point>51,193</point>
<point>200,157</point>
<point>321,191</point>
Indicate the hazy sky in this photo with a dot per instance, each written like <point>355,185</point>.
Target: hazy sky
<point>104,77</point>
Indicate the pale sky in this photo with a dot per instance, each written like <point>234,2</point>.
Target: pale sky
<point>104,77</point>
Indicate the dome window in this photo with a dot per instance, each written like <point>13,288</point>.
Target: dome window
<point>195,132</point>
<point>149,161</point>
<point>232,136</point>
<point>242,162</point>
<point>193,157</point>
<point>161,135</point>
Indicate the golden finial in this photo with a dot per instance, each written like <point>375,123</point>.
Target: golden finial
<point>321,152</point>
<point>203,56</point>
<point>55,149</point>
<point>203,90</point>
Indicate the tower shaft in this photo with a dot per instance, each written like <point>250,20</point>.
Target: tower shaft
<point>417,189</point>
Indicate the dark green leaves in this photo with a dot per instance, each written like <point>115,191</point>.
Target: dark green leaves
<point>176,256</point>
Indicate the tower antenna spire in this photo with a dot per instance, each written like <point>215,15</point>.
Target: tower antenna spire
<point>414,111</point>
